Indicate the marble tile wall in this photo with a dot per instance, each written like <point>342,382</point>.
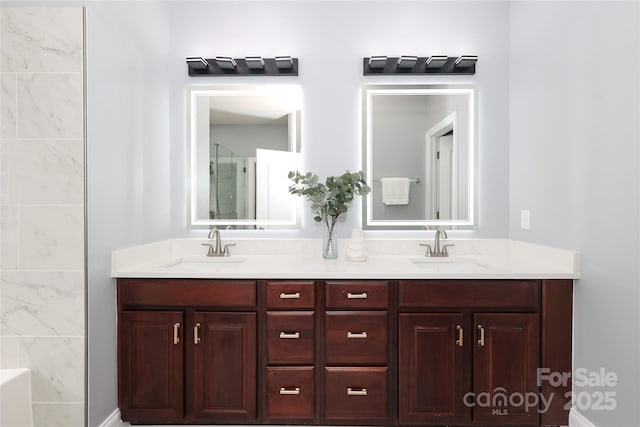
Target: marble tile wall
<point>42,206</point>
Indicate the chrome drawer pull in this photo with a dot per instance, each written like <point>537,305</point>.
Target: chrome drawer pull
<point>361,295</point>
<point>289,391</point>
<point>356,391</point>
<point>356,334</point>
<point>289,335</point>
<point>295,295</point>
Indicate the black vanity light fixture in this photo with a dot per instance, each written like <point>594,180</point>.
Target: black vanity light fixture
<point>420,65</point>
<point>248,66</point>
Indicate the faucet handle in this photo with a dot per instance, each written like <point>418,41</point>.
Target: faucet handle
<point>428,252</point>
<point>226,249</point>
<point>444,248</point>
<point>210,251</point>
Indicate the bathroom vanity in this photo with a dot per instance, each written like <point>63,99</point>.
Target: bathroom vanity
<point>377,343</point>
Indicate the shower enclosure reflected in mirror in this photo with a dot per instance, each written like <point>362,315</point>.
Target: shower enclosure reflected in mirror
<point>419,144</point>
<point>243,141</point>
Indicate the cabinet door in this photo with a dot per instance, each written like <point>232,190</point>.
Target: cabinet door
<point>506,358</point>
<point>224,367</point>
<point>430,369</point>
<point>150,357</point>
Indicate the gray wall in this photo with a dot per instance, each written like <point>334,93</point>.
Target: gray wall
<point>574,163</point>
<point>244,139</point>
<point>323,34</point>
<point>127,163</point>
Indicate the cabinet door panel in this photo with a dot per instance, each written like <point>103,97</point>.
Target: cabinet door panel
<point>506,358</point>
<point>225,367</point>
<point>150,365</point>
<point>430,369</point>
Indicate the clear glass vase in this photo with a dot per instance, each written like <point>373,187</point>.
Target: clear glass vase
<point>330,246</point>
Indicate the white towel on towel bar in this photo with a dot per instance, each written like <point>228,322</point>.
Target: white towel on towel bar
<point>395,191</point>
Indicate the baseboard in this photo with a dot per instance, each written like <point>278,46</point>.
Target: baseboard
<point>112,420</point>
<point>576,419</point>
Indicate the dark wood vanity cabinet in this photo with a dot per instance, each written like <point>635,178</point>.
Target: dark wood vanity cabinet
<point>342,352</point>
<point>187,351</point>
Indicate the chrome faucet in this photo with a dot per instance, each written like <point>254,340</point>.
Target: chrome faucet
<point>218,249</point>
<point>438,250</point>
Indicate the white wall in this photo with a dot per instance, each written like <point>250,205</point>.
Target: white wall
<point>127,161</point>
<point>575,114</point>
<point>330,39</point>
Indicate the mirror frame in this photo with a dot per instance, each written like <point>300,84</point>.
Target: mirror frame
<point>368,91</point>
<point>193,92</point>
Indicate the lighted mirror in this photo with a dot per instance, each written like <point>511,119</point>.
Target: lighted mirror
<point>243,140</point>
<point>419,144</point>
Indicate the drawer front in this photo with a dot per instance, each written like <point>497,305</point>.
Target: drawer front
<point>516,294</point>
<point>357,294</point>
<point>290,295</point>
<point>187,292</point>
<point>290,392</point>
<point>356,394</point>
<point>356,337</point>
<point>290,337</point>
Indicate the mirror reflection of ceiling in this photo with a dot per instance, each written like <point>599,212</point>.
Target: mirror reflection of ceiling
<point>249,109</point>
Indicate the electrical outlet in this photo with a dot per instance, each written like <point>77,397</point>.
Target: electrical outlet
<point>525,219</point>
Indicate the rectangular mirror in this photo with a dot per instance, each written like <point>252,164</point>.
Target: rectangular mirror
<point>243,140</point>
<point>419,145</point>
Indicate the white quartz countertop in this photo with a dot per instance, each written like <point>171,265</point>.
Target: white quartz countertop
<point>388,259</point>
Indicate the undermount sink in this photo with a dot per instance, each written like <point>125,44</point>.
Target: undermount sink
<point>449,263</point>
<point>205,263</point>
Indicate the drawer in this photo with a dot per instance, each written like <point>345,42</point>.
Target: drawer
<point>186,292</point>
<point>356,394</point>
<point>290,392</point>
<point>291,294</point>
<point>514,294</point>
<point>356,337</point>
<point>290,337</point>
<point>357,294</point>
